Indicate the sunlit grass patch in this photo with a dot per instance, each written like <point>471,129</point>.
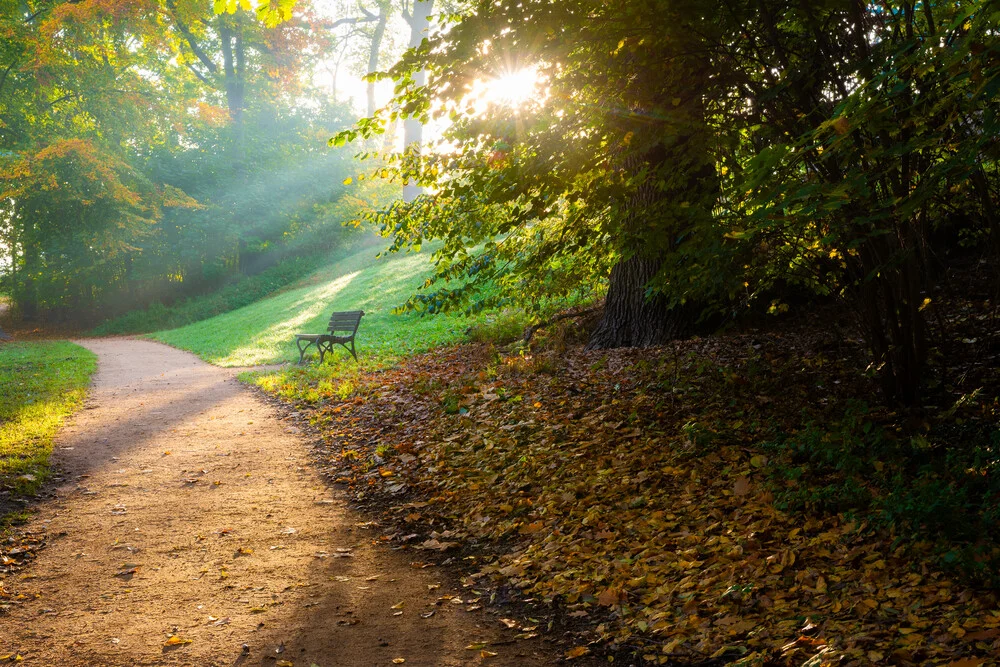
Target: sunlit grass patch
<point>40,384</point>
<point>264,332</point>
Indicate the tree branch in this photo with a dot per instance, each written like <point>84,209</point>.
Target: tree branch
<point>354,20</point>
<point>3,79</point>
<point>190,38</point>
<point>198,74</point>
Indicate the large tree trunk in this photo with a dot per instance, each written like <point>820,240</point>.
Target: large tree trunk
<point>413,129</point>
<point>634,315</point>
<point>631,319</point>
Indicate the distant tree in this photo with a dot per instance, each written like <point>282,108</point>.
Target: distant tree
<point>235,55</point>
<point>111,126</point>
<point>417,15</point>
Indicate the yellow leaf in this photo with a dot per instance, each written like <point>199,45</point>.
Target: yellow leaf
<point>284,663</point>
<point>475,646</point>
<point>398,661</point>
<point>487,654</point>
<point>348,180</point>
<point>577,652</point>
<point>177,641</point>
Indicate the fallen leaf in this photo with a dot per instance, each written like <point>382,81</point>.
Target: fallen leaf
<point>174,640</point>
<point>577,652</point>
<point>742,486</point>
<point>608,597</point>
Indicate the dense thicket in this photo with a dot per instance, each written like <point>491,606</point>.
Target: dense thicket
<point>155,149</point>
<point>707,157</point>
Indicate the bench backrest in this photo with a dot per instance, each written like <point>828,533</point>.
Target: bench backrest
<point>347,321</point>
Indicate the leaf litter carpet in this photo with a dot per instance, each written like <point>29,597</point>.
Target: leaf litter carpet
<point>580,481</point>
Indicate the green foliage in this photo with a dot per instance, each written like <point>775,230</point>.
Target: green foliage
<point>264,332</point>
<point>154,152</point>
<point>504,326</point>
<point>739,149</point>
<point>912,485</point>
<point>40,384</point>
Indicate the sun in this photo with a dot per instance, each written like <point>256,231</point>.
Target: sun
<point>513,89</point>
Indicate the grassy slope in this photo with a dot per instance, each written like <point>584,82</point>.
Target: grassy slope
<point>40,384</point>
<point>264,332</point>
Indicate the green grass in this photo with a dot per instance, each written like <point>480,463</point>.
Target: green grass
<point>40,384</point>
<point>264,332</point>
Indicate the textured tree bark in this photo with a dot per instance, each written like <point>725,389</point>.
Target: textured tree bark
<point>633,316</point>
<point>630,319</point>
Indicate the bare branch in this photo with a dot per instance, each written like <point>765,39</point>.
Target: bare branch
<point>198,74</point>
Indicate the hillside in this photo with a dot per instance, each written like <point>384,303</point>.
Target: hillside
<point>264,332</point>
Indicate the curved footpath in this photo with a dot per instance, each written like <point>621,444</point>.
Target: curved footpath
<point>191,530</point>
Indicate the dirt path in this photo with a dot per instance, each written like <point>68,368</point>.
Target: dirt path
<point>190,510</point>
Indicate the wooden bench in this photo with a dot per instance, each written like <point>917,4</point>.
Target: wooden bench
<point>345,323</point>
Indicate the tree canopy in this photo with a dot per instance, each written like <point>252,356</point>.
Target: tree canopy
<point>703,158</point>
<point>153,150</point>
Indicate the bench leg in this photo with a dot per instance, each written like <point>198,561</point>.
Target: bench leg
<point>302,350</point>
<point>352,351</point>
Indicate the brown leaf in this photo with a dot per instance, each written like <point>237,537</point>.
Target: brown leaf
<point>742,486</point>
<point>609,596</point>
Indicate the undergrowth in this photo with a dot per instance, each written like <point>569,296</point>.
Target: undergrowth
<point>915,480</point>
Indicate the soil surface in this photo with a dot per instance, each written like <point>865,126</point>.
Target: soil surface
<point>190,529</point>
